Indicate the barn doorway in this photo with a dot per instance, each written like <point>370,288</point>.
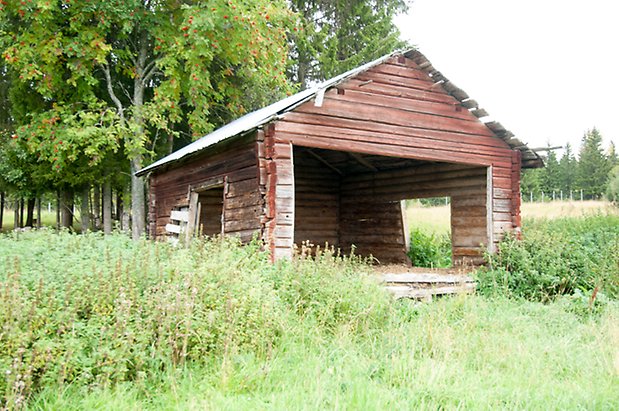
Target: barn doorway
<point>210,211</point>
<point>354,201</point>
<point>206,208</point>
<point>429,231</point>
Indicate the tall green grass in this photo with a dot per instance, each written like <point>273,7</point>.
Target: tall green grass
<point>94,322</point>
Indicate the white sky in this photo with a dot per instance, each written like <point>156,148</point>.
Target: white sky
<point>548,70</point>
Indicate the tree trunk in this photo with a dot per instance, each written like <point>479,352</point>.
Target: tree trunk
<point>107,207</point>
<point>126,214</point>
<point>170,143</point>
<point>30,212</point>
<point>21,213</point>
<point>1,209</point>
<point>39,213</point>
<point>85,209</point>
<point>16,216</point>
<point>119,208</point>
<point>66,207</point>
<point>138,206</point>
<point>58,210</point>
<point>96,203</point>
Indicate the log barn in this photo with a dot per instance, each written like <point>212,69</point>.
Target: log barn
<point>332,164</point>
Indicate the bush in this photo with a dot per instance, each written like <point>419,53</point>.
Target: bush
<point>429,250</point>
<point>557,257</point>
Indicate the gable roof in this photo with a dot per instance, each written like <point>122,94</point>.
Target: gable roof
<point>256,119</point>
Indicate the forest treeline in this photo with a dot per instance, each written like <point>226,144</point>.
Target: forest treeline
<point>91,91</point>
<point>590,173</point>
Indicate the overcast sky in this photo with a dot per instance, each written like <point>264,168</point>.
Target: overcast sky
<point>548,70</point>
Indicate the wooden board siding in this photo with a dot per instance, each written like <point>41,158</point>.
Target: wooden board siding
<point>235,162</point>
<point>317,201</point>
<point>276,181</point>
<point>374,227</point>
<point>469,232</point>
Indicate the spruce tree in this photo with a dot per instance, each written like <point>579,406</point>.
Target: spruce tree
<point>567,170</point>
<point>593,166</point>
<point>551,174</point>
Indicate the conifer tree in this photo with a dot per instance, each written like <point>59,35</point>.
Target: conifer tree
<point>551,175</point>
<point>341,35</point>
<point>593,166</point>
<point>567,170</point>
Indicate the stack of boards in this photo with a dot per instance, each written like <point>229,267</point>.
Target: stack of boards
<point>424,286</point>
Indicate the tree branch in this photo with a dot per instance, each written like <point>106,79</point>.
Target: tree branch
<point>150,73</point>
<point>110,90</point>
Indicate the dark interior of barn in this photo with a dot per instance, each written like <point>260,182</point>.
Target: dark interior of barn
<point>345,199</point>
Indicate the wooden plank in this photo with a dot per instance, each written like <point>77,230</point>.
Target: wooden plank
<point>402,291</point>
<point>427,86</point>
<point>378,114</point>
<point>378,148</point>
<point>173,228</point>
<point>365,96</point>
<point>426,278</point>
<point>193,215</point>
<point>301,119</point>
<point>179,215</point>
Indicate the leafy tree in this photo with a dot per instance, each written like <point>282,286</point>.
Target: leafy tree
<point>97,76</point>
<point>340,35</point>
<point>593,165</point>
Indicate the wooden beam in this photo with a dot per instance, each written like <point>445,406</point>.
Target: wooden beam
<point>363,161</point>
<point>323,161</point>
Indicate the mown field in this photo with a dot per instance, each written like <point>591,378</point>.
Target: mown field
<point>94,322</point>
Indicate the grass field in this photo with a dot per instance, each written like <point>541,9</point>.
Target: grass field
<point>104,323</point>
<point>436,219</point>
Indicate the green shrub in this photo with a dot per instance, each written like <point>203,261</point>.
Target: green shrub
<point>429,250</point>
<point>557,257</point>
